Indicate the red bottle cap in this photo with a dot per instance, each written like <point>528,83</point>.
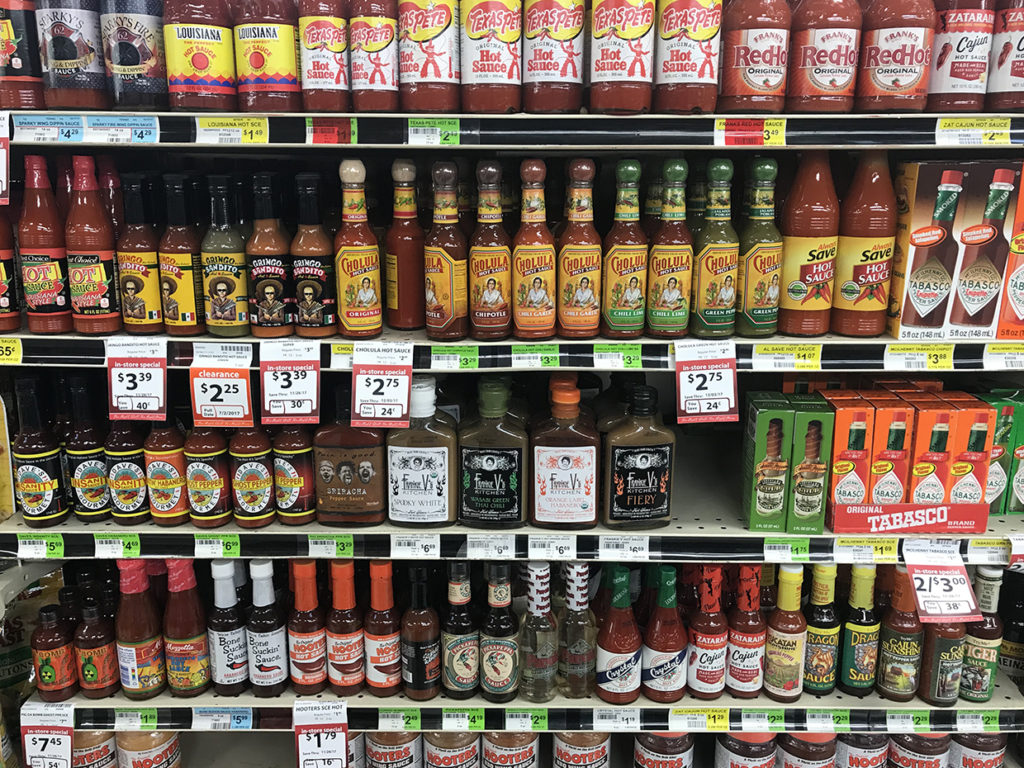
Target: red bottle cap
<point>35,172</point>
<point>180,575</point>
<point>134,580</point>
<point>1004,176</point>
<point>85,173</point>
<point>952,177</point>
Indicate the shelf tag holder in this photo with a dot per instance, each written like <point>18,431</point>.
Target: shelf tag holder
<point>706,381</point>
<point>942,588</point>
<point>381,383</point>
<point>219,383</point>
<point>290,378</point>
<point>136,378</point>
<point>321,733</point>
<point>46,733</point>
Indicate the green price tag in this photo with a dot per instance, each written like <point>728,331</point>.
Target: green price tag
<point>783,549</point>
<point>453,357</point>
<point>762,720</point>
<point>908,721</point>
<point>535,356</point>
<point>828,720</point>
<point>526,720</point>
<point>399,720</point>
<point>218,545</point>
<point>632,357</point>
<point>39,546</point>
<point>436,131</point>
<point>111,546</point>
<point>135,720</point>
<point>461,719</point>
<point>977,721</point>
<point>618,356</point>
<point>841,720</point>
<point>330,545</point>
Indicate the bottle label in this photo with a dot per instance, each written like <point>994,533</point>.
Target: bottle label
<point>570,756</point>
<point>323,53</point>
<point>668,287</point>
<point>848,756</point>
<point>641,482</point>
<point>928,286</point>
<point>491,42</point>
<point>492,487</point>
<point>206,493</point>
<point>20,43</point>
<point>428,41</point>
<point>374,53</point>
<point>461,657</point>
<point>553,41</point>
<point>133,53</point>
<point>126,477</point>
<point>625,281</point>
<point>784,662</point>
<point>995,483</point>
<point>759,273</point>
<point>293,482</point>
<point>901,757</point>
<point>715,286</point>
<point>358,270</point>
<point>383,660</point>
<point>895,62</point>
<point>688,42</point>
<point>55,668</point>
<point>200,59</point>
<point>316,305</point>
<point>946,662</point>
<point>981,660</point>
<point>770,488</point>
<point>978,285</point>
<point>565,484</point>
<point>540,663</point>
<point>526,756</point>
<point>622,41</point>
<point>166,755</point>
<point>44,280</point>
<point>1011,660</point>
<point>229,656</point>
<point>663,670</point>
<point>345,658</point>
<point>142,665</point>
<point>490,270</point>
<point>789,760</point>
<point>822,659</point>
<point>97,667</point>
<point>618,672</point>
<point>101,756</point>
<point>188,663</point>
<point>755,62</point>
<point>445,288</point>
<point>418,484</point>
<point>533,275</point>
<point>253,487</point>
<point>744,666</point>
<point>408,755</point>
<point>644,757</point>
<point>961,756</point>
<point>178,288</point>
<point>860,655</point>
<point>1006,68</point>
<point>140,287</point>
<point>356,750</point>
<point>226,290</point>
<point>863,268</point>
<point>808,272</point>
<point>270,281</point>
<point>823,63</point>
<point>962,44</point>
<point>88,473</point>
<point>349,480</point>
<point>442,757</point>
<point>268,656</point>
<point>705,671</point>
<point>899,661</point>
<point>70,43</point>
<point>38,485</point>
<point>967,490</point>
<point>421,663</point>
<point>307,657</point>
<point>499,664</point>
<point>726,759</point>
<point>266,58</point>
<point>577,660</point>
<point>579,281</point>
<point>92,279</point>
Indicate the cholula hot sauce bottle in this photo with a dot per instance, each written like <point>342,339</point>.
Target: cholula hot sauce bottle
<point>357,259</point>
<point>717,254</point>
<point>533,260</point>
<point>490,260</point>
<point>625,260</point>
<point>444,256</point>
<point>579,258</point>
<point>670,263</point>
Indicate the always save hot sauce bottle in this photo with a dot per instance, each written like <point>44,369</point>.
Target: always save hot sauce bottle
<point>181,270</point>
<point>895,55</point>
<point>185,641</point>
<point>579,258</point>
<point>670,264</point>
<point>490,260</point>
<point>755,49</point>
<point>356,259</point>
<point>403,252</point>
<point>269,262</point>
<point>709,637</point>
<point>323,55</point>
<point>200,55</point>
<point>491,47</point>
<point>382,640</point>
<point>533,260</point>
<point>373,48</point>
<point>138,264</point>
<point>622,56</point>
<point>823,56</point>
<point>312,260</point>
<point>444,257</point>
<point>553,41</point>
<point>428,56</point>
<point>625,260</point>
<point>266,56</point>
<point>44,263</point>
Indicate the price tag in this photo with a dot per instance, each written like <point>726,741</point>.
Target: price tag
<point>618,356</point>
<point>490,546</point>
<point>341,357</point>
<point>988,551</point>
<point>399,720</point>
<point>381,381</point>
<point>40,546</point>
<point>290,375</point>
<point>942,588</point>
<point>221,719</point>
<point>330,545</point>
<point>137,378</point>
<point>215,545</point>
<point>763,720</point>
<point>10,351</point>
<point>415,546</point>
<point>908,721</point>
<point>624,719</point>
<point>526,719</point>
<point>918,357</point>
<point>706,381</point>
<point>786,357</point>
<point>434,131</point>
<point>332,130</point>
<point>847,549</point>
<point>1003,357</point>
<point>232,130</point>
<point>631,548</point>
<point>453,357</point>
<point>736,132</point>
<point>113,546</point>
<point>979,721</point>
<point>321,733</point>
<point>462,719</point>
<point>535,356</point>
<point>972,131</point>
<point>684,719</point>
<point>828,720</point>
<point>47,129</point>
<point>135,720</point>
<point>219,382</point>
<point>786,550</point>
<point>46,734</point>
<point>121,129</point>
<point>551,546</point>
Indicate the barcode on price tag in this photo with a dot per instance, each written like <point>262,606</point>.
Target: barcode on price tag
<point>684,719</point>
<point>972,131</point>
<point>763,720</point>
<point>113,546</point>
<point>462,719</point>
<point>786,357</point>
<point>40,546</point>
<point>434,131</point>
<point>908,721</point>
<point>988,551</point>
<point>535,356</point>
<point>750,132</point>
<point>330,545</point>
<point>232,130</point>
<point>341,357</point>
<point>332,130</point>
<point>618,356</point>
<point>221,719</point>
<point>786,550</point>
<point>135,720</point>
<point>624,719</point>
<point>526,719</point>
<point>828,721</point>
<point>918,357</point>
<point>216,545</point>
<point>219,377</point>
<point>1003,357</point>
<point>407,719</point>
<point>551,546</point>
<point>290,374</point>
<point>634,548</point>
<point>121,129</point>
<point>411,546</point>
<point>982,721</point>
<point>452,357</point>
<point>47,129</point>
<point>847,549</point>
<point>490,546</point>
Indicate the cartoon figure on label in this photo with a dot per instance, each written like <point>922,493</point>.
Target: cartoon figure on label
<point>538,298</point>
<point>491,297</point>
<point>584,296</point>
<point>632,297</point>
<point>222,303</point>
<point>270,309</point>
<point>326,471</point>
<point>133,305</point>
<point>167,288</point>
<point>378,69</point>
<point>636,47</point>
<point>727,295</point>
<point>311,311</point>
<point>671,298</point>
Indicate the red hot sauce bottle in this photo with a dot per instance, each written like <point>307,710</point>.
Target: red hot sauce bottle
<point>755,36</point>
<point>823,56</point>
<point>53,657</point>
<point>619,646</point>
<point>686,58</point>
<point>185,642</point>
<point>96,653</point>
<point>345,665</point>
<point>663,668</point>
<point>1006,65</point>
<point>491,49</point>
<point>140,642</point>
<point>709,637</point>
<point>44,263</point>
<point>21,77</point>
<point>373,44</point>
<point>164,452</point>
<point>896,36</point>
<point>744,666</point>
<point>960,57</point>
<point>266,56</point>
<point>403,249</point>
<point>207,479</point>
<point>553,41</point>
<point>428,56</point>
<point>382,641</point>
<point>307,634</point>
<point>200,55</point>
<point>323,55</point>
<point>622,56</point>
<point>252,478</point>
<point>126,474</point>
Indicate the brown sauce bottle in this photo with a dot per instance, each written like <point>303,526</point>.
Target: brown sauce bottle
<point>268,256</point>
<point>744,663</point>
<point>126,474</point>
<point>96,653</point>
<point>444,255</point>
<point>403,249</point>
<point>164,451</point>
<point>490,260</point>
<point>312,257</point>
<point>137,629</point>
<point>421,642</point>
<point>942,661</point>
<point>252,478</point>
<point>307,634</point>
<point>345,664</point>
<point>185,642</point>
<point>579,257</point>
<point>87,469</point>
<point>138,265</point>
<point>181,271</point>
<point>207,478</point>
<point>53,657</point>
<point>899,646</point>
<point>38,474</point>
<point>294,491</point>
<point>533,260</point>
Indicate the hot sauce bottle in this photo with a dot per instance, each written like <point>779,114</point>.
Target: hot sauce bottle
<point>428,56</point>
<point>269,263</point>
<point>859,656</point>
<point>111,193</point>
<point>490,260</point>
<point>823,56</point>
<point>717,245</point>
<point>181,276</point>
<point>373,43</point>
<point>499,639</point>
<point>491,45</point>
<point>312,263</point>
<point>1006,65</point>
<point>744,663</point>
<point>577,635</point>
<point>984,637</point>
<point>663,665</point>
<point>164,453</point>
<point>895,56</point>
<point>553,41</point>
<point>294,493</point>
<point>207,478</point>
<point>266,635</point>
<point>96,653</point>
<point>420,642</point>
<point>760,262</point>
<point>460,636</point>
<point>307,636</point>
<point>53,657</point>
<point>403,249</point>
<point>686,56</point>
<point>538,637</point>
<point>619,646</point>
<point>126,473</point>
<point>533,260</point>
<point>70,46</point>
<point>625,260</point>
<point>323,55</point>
<point>931,468</point>
<point>138,265</point>
<point>21,75</point>
<point>960,57</point>
<point>444,256</point>
<point>670,262</point>
<point>133,53</point>
<point>87,469</point>
<point>579,258</point>
<point>10,302</point>
<point>382,636</point>
<point>44,264</point>
<point>822,658</point>
<point>225,278</point>
<point>345,664</point>
<point>942,658</point>
<point>140,642</point>
<point>755,49</point>
<point>356,259</point>
<point>200,55</point>
<point>810,240</point>
<point>38,475</point>
<point>621,56</point>
<point>185,641</point>
<point>266,57</point>
<point>787,637</point>
<point>867,236</point>
<point>92,268</point>
<point>899,645</point>
<point>229,658</point>
<point>709,637</point>
<point>252,478</point>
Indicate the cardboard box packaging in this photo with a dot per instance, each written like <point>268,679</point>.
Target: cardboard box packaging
<point>975,423</point>
<point>1001,455</point>
<point>931,453</point>
<point>890,450</point>
<point>813,420</point>
<point>767,446</point>
<point>851,441</point>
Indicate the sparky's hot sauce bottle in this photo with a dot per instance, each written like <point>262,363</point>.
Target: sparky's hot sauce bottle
<point>755,50</point>
<point>579,258</point>
<point>553,41</point>
<point>622,56</point>
<point>373,44</point>
<point>533,260</point>
<point>357,259</point>
<point>709,638</point>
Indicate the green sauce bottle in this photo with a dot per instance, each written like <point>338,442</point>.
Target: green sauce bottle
<point>670,265</point>
<point>714,273</point>
<point>760,263</point>
<point>225,282</point>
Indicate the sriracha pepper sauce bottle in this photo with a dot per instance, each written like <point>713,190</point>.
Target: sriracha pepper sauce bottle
<point>619,646</point>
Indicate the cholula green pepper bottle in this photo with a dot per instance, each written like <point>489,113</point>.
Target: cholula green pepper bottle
<point>714,277</point>
<point>760,264</point>
<point>669,268</point>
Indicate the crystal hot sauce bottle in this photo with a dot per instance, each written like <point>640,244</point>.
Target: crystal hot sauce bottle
<point>490,260</point>
<point>686,57</point>
<point>744,663</point>
<point>553,43</point>
<point>44,263</point>
<point>663,666</point>
<point>345,665</point>
<point>357,259</point>
<point>382,641</point>
<point>403,252</point>
<point>755,49</point>
<point>621,56</point>
<point>428,55</point>
<point>709,637</point>
<point>373,44</point>
<point>823,56</point>
<point>619,646</point>
<point>444,257</point>
<point>533,260</point>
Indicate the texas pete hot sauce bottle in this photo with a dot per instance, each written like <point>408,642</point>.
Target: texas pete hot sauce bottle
<point>428,55</point>
<point>323,55</point>
<point>533,260</point>
<point>44,262</point>
<point>823,56</point>
<point>755,40</point>
<point>373,50</point>
<point>356,259</point>
<point>553,43</point>
<point>491,49</point>
<point>686,57</point>
<point>895,55</point>
<point>621,56</point>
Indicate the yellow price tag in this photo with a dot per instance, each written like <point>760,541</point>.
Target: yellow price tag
<point>10,351</point>
<point>914,357</point>
<point>775,132</point>
<point>973,131</point>
<point>698,719</point>
<point>718,719</point>
<point>866,549</point>
<point>990,551</point>
<point>787,357</point>
<point>232,130</point>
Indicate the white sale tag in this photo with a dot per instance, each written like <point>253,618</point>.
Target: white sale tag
<point>706,381</point>
<point>46,732</point>
<point>490,546</point>
<point>137,378</point>
<point>290,378</point>
<point>381,380</point>
<point>341,357</point>
<point>219,382</point>
<point>552,546</point>
<point>321,733</point>
<point>624,719</point>
<point>415,545</point>
<point>941,586</point>
<point>635,548</point>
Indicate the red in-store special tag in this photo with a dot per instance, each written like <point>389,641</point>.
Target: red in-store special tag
<point>290,382</point>
<point>331,130</point>
<point>942,588</point>
<point>321,733</point>
<point>381,380</point>
<point>137,378</point>
<point>706,381</point>
<point>46,732</point>
<point>219,382</point>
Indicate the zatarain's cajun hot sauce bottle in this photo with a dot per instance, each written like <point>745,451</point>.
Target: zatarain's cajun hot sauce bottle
<point>266,56</point>
<point>373,44</point>
<point>823,56</point>
<point>621,56</point>
<point>357,259</point>
<point>1006,65</point>
<point>553,43</point>
<point>895,55</point>
<point>200,55</point>
<point>491,44</point>
<point>755,39</point>
<point>323,55</point>
<point>686,57</point>
<point>428,55</point>
<point>963,39</point>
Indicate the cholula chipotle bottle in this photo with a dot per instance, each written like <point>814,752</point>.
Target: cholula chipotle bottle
<point>621,56</point>
<point>444,256</point>
<point>755,49</point>
<point>670,263</point>
<point>760,261</point>
<point>625,260</point>
<point>619,646</point>
<point>357,259</point>
<point>533,260</point>
<point>579,257</point>
<point>787,636</point>
<point>717,247</point>
<point>490,260</point>
<point>709,638</point>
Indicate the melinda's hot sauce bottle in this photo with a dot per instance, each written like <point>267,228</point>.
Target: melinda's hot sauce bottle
<point>38,476</point>
<point>428,56</point>
<point>895,55</point>
<point>323,55</point>
<point>760,262</point>
<point>533,260</point>
<point>810,239</point>
<point>621,56</point>
<point>164,453</point>
<point>755,46</point>
<point>312,257</point>
<point>266,57</point>
<point>44,263</point>
<point>200,55</point>
<point>70,45</point>
<point>1006,65</point>
<point>490,260</point>
<point>823,56</point>
<point>579,258</point>
<point>138,264</point>
<point>686,56</point>
<point>714,272</point>
<point>670,264</point>
<point>867,236</point>
<point>553,41</point>
<point>373,47</point>
<point>225,284</point>
<point>444,257</point>
<point>356,259</point>
<point>403,252</point>
<point>491,43</point>
<point>960,57</point>
<point>181,269</point>
<point>269,264</point>
<point>625,260</point>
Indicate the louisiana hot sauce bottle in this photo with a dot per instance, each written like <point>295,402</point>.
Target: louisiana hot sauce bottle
<point>897,44</point>
<point>625,260</point>
<point>960,58</point>
<point>553,43</point>
<point>312,252</point>
<point>755,50</point>
<point>810,240</point>
<point>181,269</point>
<point>823,56</point>
<point>713,313</point>
<point>579,258</point>
<point>444,258</point>
<point>356,259</point>
<point>490,260</point>
<point>428,55</point>
<point>44,262</point>
<point>670,264</point>
<point>200,55</point>
<point>491,50</point>
<point>323,55</point>
<point>1006,64</point>
<point>266,56</point>
<point>403,253</point>
<point>621,56</point>
<point>686,56</point>
<point>373,49</point>
<point>533,260</point>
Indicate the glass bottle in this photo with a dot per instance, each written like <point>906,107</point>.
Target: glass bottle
<point>981,650</point>
<point>445,261</point>
<point>822,658</point>
<point>899,644</point>
<point>577,636</point>
<point>625,260</point>
<point>53,657</point>
<point>748,633</point>
<point>859,655</point>
<point>44,264</point>
<point>269,263</point>
<point>460,637</point>
<point>225,628</point>
<point>579,257</point>
<point>382,638</point>
<point>717,246</point>
<point>225,284</point>
<point>96,653</point>
<point>307,633</point>
<point>126,473</point>
<point>345,635</point>
<point>787,638</point>
<point>137,263</point>
<point>499,639</point>
<point>38,474</point>
<point>181,269</point>
<point>266,634</point>
<point>1011,651</point>
<point>356,259</point>
<point>140,642</point>
<point>421,642</point>
<point>670,265</point>
<point>663,663</point>
<point>87,470</point>
<point>759,276</point>
<point>186,645</point>
<point>619,645</point>
<point>538,638</point>
<point>312,257</point>
<point>942,659</point>
<point>533,260</point>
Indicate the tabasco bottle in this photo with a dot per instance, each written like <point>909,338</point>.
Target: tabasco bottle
<point>930,277</point>
<point>625,260</point>
<point>670,263</point>
<point>717,246</point>
<point>579,257</point>
<point>444,257</point>
<point>709,637</point>
<point>744,665</point>
<point>357,259</point>
<point>822,657</point>
<point>928,475</point>
<point>490,260</point>
<point>403,252</point>
<point>760,262</point>
<point>533,260</point>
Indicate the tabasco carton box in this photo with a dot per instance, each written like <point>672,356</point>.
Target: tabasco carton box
<point>1013,502</point>
<point>767,446</point>
<point>929,479</point>
<point>890,449</point>
<point>970,450</point>
<point>1011,311</point>
<point>813,420</point>
<point>1001,455</point>
<point>851,438</point>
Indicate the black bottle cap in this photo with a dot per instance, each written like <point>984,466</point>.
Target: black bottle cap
<point>643,400</point>
<point>49,614</point>
<point>91,610</point>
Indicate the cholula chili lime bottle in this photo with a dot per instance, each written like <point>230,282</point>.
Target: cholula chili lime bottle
<point>625,260</point>
<point>714,281</point>
<point>670,263</point>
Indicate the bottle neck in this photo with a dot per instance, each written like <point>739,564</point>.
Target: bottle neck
<point>946,198</point>
<point>711,590</point>
<point>418,595</point>
<point>263,208</point>
<point>488,205</point>
<point>789,594</point>
<point>673,203</point>
<point>762,202</point>
<point>343,593</point>
<point>748,596</point>
<point>309,209</point>
<point>305,594</point>
<point>381,595</point>
<point>404,202</point>
<point>580,204</point>
<point>177,214</point>
<point>224,595</point>
<point>534,210</point>
<point>940,435</point>
<point>719,206</point>
<point>446,209</point>
<point>627,203</point>
<point>262,592</point>
<point>862,591</point>
<point>134,207</point>
<point>903,592</point>
<point>652,202</point>
<point>986,590</point>
<point>353,204</point>
<point>577,597</point>
<point>823,589</point>
<point>28,411</point>
<point>667,590</point>
<point>221,213</point>
<point>538,593</point>
<point>499,595</point>
<point>897,437</point>
<point>459,592</point>
<point>997,203</point>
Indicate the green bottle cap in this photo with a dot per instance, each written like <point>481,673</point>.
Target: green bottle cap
<point>675,171</point>
<point>720,169</point>
<point>493,401</point>
<point>627,172</point>
<point>764,169</point>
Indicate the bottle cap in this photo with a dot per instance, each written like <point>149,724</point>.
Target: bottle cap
<point>643,400</point>
<point>423,397</point>
<point>222,569</point>
<point>533,172</point>
<point>218,183</point>
<point>418,573</point>
<point>493,399</point>
<point>91,609</point>
<point>753,738</point>
<point>1004,176</point>
<point>380,569</point>
<point>156,567</point>
<point>67,595</point>
<point>764,169</point>
<point>990,572</point>
<point>458,570</point>
<point>627,172</point>
<point>791,572</point>
<point>403,171</point>
<point>581,171</point>
<point>562,377</point>
<point>261,569</point>
<point>720,170</point>
<point>814,738</point>
<point>445,175</point>
<point>499,572</point>
<point>675,171</point>
<point>565,395</point>
<point>263,183</point>
<point>49,614</point>
<point>352,172</point>
<point>304,569</point>
<point>860,415</point>
<point>825,570</point>
<point>954,178</point>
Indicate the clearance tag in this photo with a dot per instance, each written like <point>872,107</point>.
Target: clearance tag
<point>381,382</point>
<point>232,130</point>
<point>1003,357</point>
<point>321,733</point>
<point>290,382</point>
<point>735,132</point>
<point>137,378</point>
<point>219,382</point>
<point>332,130</point>
<point>972,131</point>
<point>46,730</point>
<point>706,381</point>
<point>786,357</point>
<point>942,588</point>
<point>918,357</point>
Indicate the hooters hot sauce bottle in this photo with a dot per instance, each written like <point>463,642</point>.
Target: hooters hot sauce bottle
<point>686,55</point>
<point>823,56</point>
<point>895,55</point>
<point>428,55</point>
<point>553,42</point>
<point>755,51</point>
<point>356,259</point>
<point>373,49</point>
<point>621,56</point>
<point>533,260</point>
<point>491,49</point>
